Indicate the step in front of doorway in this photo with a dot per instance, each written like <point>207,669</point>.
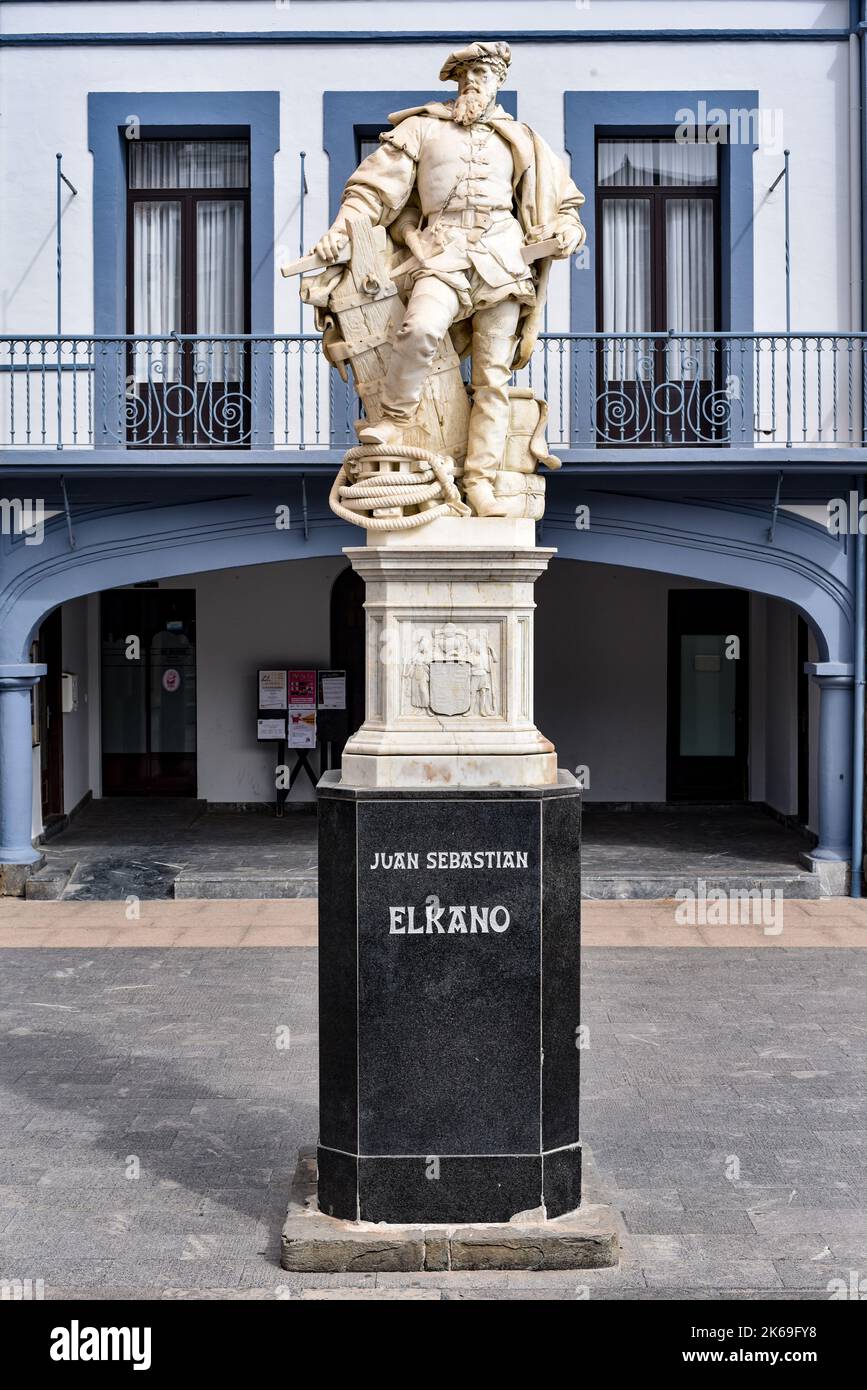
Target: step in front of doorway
<point>256,883</point>
<point>602,887</point>
<point>243,883</point>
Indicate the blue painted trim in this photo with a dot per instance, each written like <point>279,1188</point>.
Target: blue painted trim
<point>686,465</point>
<point>344,114</point>
<point>185,113</point>
<point>411,36</point>
<point>588,112</point>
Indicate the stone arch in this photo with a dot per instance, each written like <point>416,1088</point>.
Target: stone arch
<point>721,543</point>
<point>125,545</point>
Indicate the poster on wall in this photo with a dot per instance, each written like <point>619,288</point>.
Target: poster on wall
<point>302,689</point>
<point>271,730</point>
<point>272,689</point>
<point>302,728</point>
<point>332,690</point>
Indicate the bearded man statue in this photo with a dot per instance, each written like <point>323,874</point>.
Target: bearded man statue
<point>467,189</point>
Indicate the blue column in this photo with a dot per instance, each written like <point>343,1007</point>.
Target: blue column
<point>836,681</point>
<point>16,763</point>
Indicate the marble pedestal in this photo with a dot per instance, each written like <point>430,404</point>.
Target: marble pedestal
<point>449,1002</point>
<point>449,697</point>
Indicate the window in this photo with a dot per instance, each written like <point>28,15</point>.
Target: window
<point>366,140</point>
<point>188,273</point>
<point>659,273</point>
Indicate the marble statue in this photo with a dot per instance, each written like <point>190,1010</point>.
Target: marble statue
<point>442,246</point>
<point>448,819</point>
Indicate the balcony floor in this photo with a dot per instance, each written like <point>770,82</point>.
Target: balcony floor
<point>164,847</point>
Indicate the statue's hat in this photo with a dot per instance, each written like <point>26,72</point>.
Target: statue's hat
<point>499,55</point>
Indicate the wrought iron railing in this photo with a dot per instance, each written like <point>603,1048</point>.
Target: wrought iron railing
<point>658,391</point>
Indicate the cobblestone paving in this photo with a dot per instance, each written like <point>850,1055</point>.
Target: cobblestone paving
<point>725,1102</point>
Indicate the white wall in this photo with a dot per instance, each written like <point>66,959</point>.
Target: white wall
<point>76,740</point>
<point>601,677</point>
<point>267,615</point>
<point>45,110</point>
<point>262,15</point>
<point>601,682</point>
<point>601,674</point>
<point>781,686</point>
<point>774,708</point>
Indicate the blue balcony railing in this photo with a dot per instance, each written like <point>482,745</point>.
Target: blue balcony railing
<point>278,393</point>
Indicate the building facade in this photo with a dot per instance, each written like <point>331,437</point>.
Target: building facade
<point>169,428</point>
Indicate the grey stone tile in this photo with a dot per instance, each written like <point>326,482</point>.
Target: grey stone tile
<point>183,1075</point>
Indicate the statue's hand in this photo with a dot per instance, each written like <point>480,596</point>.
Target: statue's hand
<point>329,247</point>
<point>569,233</point>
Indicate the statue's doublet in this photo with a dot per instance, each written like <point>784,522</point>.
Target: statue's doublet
<point>464,177</point>
<point>458,166</point>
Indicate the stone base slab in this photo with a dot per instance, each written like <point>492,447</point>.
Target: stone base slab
<point>832,874</point>
<point>14,876</point>
<point>450,770</point>
<point>314,1243</point>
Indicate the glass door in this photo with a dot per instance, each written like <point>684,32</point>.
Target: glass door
<point>149,692</point>
<point>708,693</point>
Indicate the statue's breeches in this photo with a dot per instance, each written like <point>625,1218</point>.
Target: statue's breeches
<point>432,308</point>
<point>493,350</point>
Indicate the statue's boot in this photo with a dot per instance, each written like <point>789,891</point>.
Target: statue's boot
<point>385,431</point>
<point>479,492</point>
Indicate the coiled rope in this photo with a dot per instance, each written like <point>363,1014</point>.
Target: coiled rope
<point>435,482</point>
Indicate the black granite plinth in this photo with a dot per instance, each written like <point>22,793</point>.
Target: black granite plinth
<point>448,1002</point>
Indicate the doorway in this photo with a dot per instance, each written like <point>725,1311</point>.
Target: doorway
<point>48,714</point>
<point>708,694</point>
<point>348,641</point>
<point>148,655</point>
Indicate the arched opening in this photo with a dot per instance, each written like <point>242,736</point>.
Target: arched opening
<point>683,708</point>
<point>266,596</point>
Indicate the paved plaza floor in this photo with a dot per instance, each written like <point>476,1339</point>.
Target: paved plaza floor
<point>154,1098</point>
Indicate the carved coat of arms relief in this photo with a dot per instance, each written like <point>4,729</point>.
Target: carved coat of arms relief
<point>452,671</point>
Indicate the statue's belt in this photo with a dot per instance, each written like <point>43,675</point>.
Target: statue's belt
<point>472,219</point>
<point>535,251</point>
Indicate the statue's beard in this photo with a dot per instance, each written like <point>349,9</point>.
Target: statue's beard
<point>470,105</point>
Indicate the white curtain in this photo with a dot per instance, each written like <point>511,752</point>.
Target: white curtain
<point>626,163</point>
<point>219,286</point>
<point>689,280</point>
<point>188,164</point>
<point>626,282</point>
<point>683,165</point>
<point>633,163</point>
<point>156,287</point>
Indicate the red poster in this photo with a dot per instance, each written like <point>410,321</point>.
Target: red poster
<point>302,689</point>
